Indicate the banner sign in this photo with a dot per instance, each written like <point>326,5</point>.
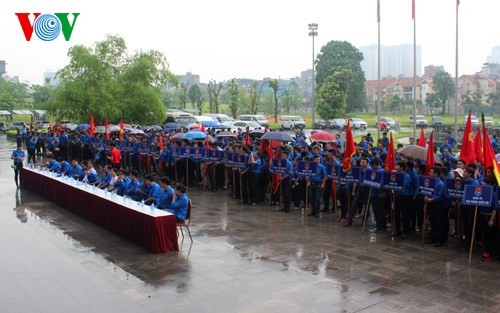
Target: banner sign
<point>306,169</point>
<point>214,155</point>
<point>196,153</point>
<point>184,152</point>
<point>230,159</point>
<point>455,187</point>
<point>394,181</point>
<point>240,161</point>
<point>373,178</point>
<point>175,152</point>
<point>478,195</point>
<point>332,171</point>
<point>426,186</point>
<point>352,176</point>
<point>279,166</point>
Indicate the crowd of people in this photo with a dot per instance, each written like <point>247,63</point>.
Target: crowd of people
<point>155,159</point>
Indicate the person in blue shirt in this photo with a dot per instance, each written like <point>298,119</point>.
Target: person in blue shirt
<point>403,202</point>
<point>65,167</point>
<point>106,178</point>
<point>451,141</point>
<point>255,162</point>
<point>18,156</point>
<point>122,183</point>
<point>31,150</point>
<point>165,201</point>
<point>494,143</point>
<point>52,165</point>
<point>285,179</point>
<point>90,178</point>
<point>317,184</point>
<point>435,208</point>
<point>359,192</point>
<point>377,202</point>
<point>134,184</point>
<point>19,137</point>
<point>76,171</point>
<point>155,191</point>
<point>180,203</point>
<point>486,224</point>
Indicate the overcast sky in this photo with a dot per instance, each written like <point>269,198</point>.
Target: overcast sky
<point>221,39</point>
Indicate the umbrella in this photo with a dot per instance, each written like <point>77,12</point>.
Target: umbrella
<point>256,133</point>
<point>279,136</point>
<point>322,136</point>
<point>211,124</point>
<point>417,152</point>
<point>195,135</point>
<point>193,125</point>
<point>172,126</point>
<point>137,132</point>
<point>70,126</point>
<point>82,127</point>
<point>179,136</point>
<point>226,134</point>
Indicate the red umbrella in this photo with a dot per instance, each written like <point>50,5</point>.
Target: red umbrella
<point>322,136</point>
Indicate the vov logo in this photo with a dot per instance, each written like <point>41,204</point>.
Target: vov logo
<point>47,27</point>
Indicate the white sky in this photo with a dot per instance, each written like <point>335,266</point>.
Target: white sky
<point>222,39</point>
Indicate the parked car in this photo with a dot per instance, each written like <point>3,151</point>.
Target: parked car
<point>221,118</point>
<point>420,121</point>
<point>260,119</point>
<point>489,121</point>
<point>338,123</point>
<point>18,125</point>
<point>184,121</point>
<point>358,123</point>
<point>3,127</point>
<point>473,119</point>
<point>437,121</point>
<point>243,125</point>
<point>321,124</point>
<point>292,121</point>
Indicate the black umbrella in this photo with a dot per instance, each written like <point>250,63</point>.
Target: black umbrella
<point>279,136</point>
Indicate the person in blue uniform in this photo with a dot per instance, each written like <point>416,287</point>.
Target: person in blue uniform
<point>255,165</point>
<point>180,203</point>
<point>106,178</point>
<point>165,201</point>
<point>317,184</point>
<point>122,183</point>
<point>155,191</point>
<point>134,184</point>
<point>65,167</point>
<point>435,208</point>
<point>90,178</point>
<point>32,150</point>
<point>403,202</point>
<point>18,156</point>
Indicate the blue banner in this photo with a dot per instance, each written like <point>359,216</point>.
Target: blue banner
<point>426,186</point>
<point>352,176</point>
<point>225,157</point>
<point>306,169</point>
<point>394,181</point>
<point>373,178</point>
<point>240,161</point>
<point>279,166</point>
<point>184,152</point>
<point>175,152</point>
<point>332,171</point>
<point>455,187</point>
<point>498,198</point>
<point>478,195</point>
<point>230,159</point>
<point>214,155</point>
<point>196,153</point>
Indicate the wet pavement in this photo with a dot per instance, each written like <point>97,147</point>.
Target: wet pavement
<point>243,259</point>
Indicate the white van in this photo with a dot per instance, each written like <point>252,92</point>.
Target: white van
<point>292,121</point>
<point>200,119</point>
<point>172,114</point>
<point>221,118</point>
<point>260,119</point>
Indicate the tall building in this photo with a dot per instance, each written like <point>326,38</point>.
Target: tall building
<point>395,61</point>
<point>495,55</point>
<point>2,67</point>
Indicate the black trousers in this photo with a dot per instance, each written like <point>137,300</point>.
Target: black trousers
<point>286,192</point>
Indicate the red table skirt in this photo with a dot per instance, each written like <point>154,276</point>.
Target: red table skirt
<point>157,234</point>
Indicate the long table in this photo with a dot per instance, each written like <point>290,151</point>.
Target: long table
<point>151,228</point>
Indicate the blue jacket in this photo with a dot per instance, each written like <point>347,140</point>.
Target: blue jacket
<point>180,207</point>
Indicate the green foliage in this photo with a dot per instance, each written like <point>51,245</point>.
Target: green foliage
<point>268,102</point>
<point>105,81</point>
<point>290,98</point>
<point>195,95</point>
<point>443,86</point>
<point>41,95</point>
<point>274,84</point>
<point>214,90</point>
<point>233,92</point>
<point>494,99</point>
<point>12,95</point>
<point>337,56</point>
<point>433,102</point>
<point>333,95</point>
<point>394,103</point>
<point>254,98</point>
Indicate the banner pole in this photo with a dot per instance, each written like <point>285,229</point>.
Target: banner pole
<point>367,208</point>
<point>473,235</point>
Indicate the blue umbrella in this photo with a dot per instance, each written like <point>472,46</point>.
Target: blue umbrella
<point>280,136</point>
<point>82,127</point>
<point>179,136</point>
<point>172,125</point>
<point>195,135</point>
<point>211,124</point>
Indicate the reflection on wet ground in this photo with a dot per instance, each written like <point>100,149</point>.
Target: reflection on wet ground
<point>244,259</point>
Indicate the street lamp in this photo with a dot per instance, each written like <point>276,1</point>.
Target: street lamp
<point>313,32</point>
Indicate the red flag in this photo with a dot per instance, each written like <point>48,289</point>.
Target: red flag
<point>161,142</point>
<point>265,130</point>
<point>203,130</point>
<point>207,145</point>
<point>350,148</point>
<point>412,9</point>
<point>31,124</point>
<point>107,130</point>
<point>247,137</point>
<point>467,151</point>
<point>421,140</point>
<point>478,147</point>
<point>378,11</point>
<point>390,159</point>
<point>429,160</point>
<point>489,155</point>
<point>264,146</point>
<point>91,125</point>
<point>122,130</point>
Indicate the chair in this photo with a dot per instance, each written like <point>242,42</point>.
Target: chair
<point>185,223</point>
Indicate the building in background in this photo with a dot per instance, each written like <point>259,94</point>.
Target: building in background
<point>395,61</point>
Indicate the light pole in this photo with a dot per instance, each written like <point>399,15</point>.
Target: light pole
<point>313,32</point>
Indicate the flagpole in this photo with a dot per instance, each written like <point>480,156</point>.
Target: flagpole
<point>378,72</point>
<point>414,71</point>
<point>457,94</point>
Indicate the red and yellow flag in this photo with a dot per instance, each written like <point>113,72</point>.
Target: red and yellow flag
<point>421,141</point>
<point>478,147</point>
<point>161,143</point>
<point>91,125</point>
<point>429,160</point>
<point>390,160</point>
<point>350,148</point>
<point>247,137</point>
<point>490,160</point>
<point>106,129</point>
<point>122,130</point>
<point>467,151</point>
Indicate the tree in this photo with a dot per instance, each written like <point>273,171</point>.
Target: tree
<point>233,93</point>
<point>494,99</point>
<point>254,98</point>
<point>41,95</point>
<point>337,56</point>
<point>444,88</point>
<point>105,81</point>
<point>194,94</point>
<point>394,103</point>
<point>433,102</point>
<point>184,89</point>
<point>333,95</point>
<point>290,98</point>
<point>275,85</point>
<point>214,91</point>
<point>12,95</point>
